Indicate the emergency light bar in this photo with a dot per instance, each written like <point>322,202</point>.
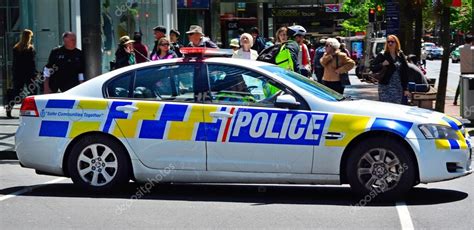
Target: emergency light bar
<point>201,52</point>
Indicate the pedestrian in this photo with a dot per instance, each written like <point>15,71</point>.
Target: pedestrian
<point>158,32</point>
<point>311,50</point>
<point>124,56</point>
<point>304,60</point>
<point>197,39</point>
<point>140,49</point>
<point>281,35</point>
<point>423,56</point>
<point>164,51</point>
<point>393,85</point>
<point>335,63</point>
<point>344,50</point>
<point>287,57</point>
<point>65,67</point>
<point>23,68</point>
<point>245,51</point>
<point>234,44</point>
<point>467,67</point>
<point>414,71</point>
<point>174,42</point>
<point>258,41</point>
<point>319,53</point>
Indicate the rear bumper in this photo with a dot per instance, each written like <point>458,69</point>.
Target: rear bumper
<point>41,153</point>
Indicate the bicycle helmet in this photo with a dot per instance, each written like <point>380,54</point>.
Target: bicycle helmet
<point>296,30</point>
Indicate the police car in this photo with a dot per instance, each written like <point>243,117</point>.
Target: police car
<point>234,121</point>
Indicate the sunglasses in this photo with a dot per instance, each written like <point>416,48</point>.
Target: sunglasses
<point>391,42</point>
<point>164,44</point>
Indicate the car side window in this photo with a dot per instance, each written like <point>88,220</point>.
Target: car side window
<point>238,86</point>
<point>119,87</point>
<point>165,83</point>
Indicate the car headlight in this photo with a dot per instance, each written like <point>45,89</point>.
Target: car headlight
<point>432,131</point>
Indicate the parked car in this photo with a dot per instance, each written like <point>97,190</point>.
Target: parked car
<point>427,45</point>
<point>435,53</point>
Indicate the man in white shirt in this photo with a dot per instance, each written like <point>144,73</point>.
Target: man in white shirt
<point>467,62</point>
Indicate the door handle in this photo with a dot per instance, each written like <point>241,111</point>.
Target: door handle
<point>127,108</point>
<point>333,136</point>
<point>221,115</point>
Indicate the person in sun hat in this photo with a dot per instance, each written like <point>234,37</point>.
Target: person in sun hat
<point>234,44</point>
<point>197,39</point>
<point>124,56</point>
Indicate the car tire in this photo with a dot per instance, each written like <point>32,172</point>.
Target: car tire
<point>98,164</point>
<point>381,168</point>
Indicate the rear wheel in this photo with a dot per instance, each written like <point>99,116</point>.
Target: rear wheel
<point>380,167</point>
<point>98,163</point>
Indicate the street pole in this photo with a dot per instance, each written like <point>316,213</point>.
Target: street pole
<point>367,45</point>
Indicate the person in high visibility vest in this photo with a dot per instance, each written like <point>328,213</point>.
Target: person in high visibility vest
<point>287,57</point>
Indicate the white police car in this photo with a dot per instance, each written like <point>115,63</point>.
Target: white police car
<point>234,121</point>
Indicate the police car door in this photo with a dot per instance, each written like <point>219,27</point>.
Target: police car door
<point>249,133</point>
<point>159,121</point>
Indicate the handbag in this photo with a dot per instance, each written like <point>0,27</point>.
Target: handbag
<point>343,76</point>
<point>379,75</point>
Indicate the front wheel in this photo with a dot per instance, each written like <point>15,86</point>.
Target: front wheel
<point>98,163</point>
<point>380,167</point>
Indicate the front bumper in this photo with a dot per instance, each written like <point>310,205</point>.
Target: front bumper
<point>436,164</point>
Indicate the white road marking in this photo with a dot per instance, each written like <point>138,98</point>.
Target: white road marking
<point>29,189</point>
<point>404,215</point>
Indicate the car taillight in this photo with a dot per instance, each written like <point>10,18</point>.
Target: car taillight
<point>28,107</point>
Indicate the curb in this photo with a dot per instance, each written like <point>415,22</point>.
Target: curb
<point>8,155</point>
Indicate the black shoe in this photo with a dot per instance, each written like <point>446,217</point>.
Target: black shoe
<point>9,113</point>
<point>455,103</point>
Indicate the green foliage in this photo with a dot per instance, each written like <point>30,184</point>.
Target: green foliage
<point>461,16</point>
<point>429,17</point>
<point>359,9</point>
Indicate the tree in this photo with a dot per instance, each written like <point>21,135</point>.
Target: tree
<point>443,8</point>
<point>405,33</point>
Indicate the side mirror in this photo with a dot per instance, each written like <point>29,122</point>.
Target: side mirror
<point>286,101</point>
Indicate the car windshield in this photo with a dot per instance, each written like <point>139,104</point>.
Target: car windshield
<point>313,87</point>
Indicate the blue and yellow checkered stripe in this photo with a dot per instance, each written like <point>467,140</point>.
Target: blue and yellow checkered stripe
<point>71,129</point>
<point>151,121</point>
<point>452,144</point>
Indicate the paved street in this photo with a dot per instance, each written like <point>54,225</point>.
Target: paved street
<point>432,71</point>
<point>31,201</point>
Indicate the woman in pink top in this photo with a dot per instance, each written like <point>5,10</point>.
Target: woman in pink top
<point>164,50</point>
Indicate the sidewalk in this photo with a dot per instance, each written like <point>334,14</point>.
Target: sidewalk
<point>363,90</point>
<point>8,128</point>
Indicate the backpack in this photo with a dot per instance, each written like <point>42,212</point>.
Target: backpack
<point>269,54</point>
